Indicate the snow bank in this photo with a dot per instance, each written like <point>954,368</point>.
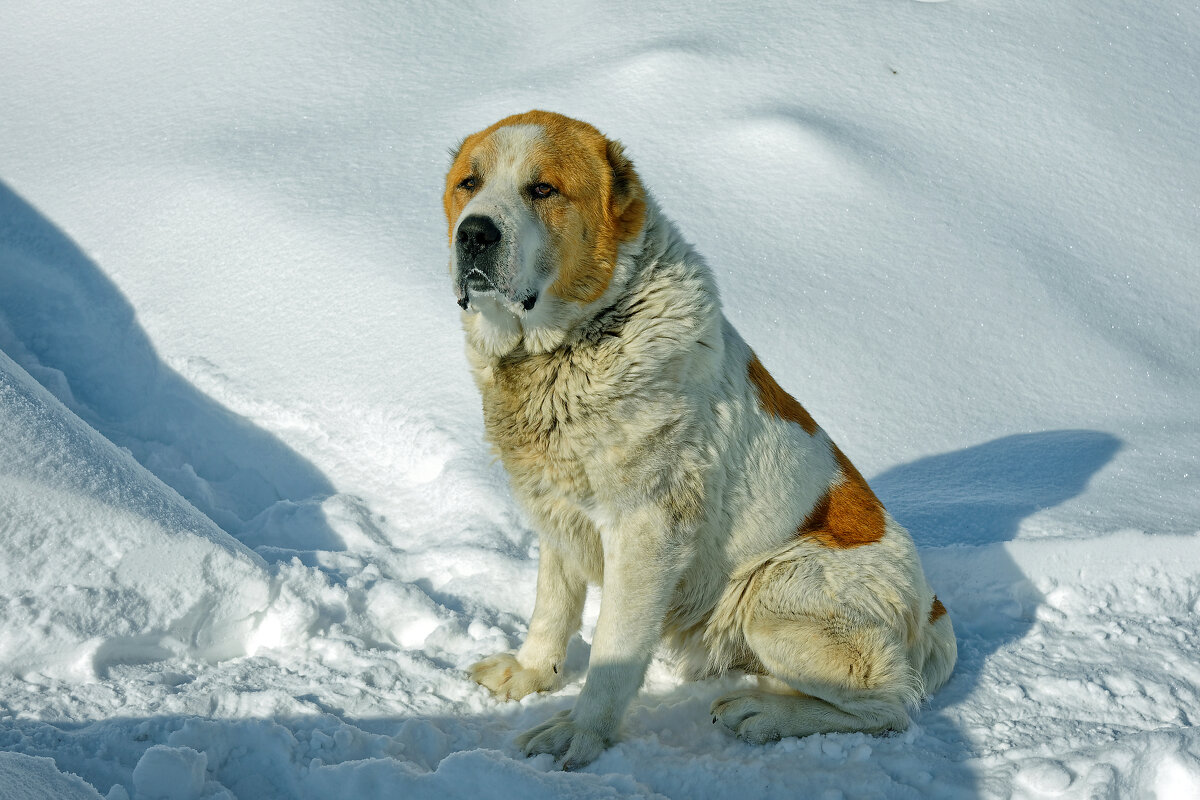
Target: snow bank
<point>107,566</point>
<point>32,778</point>
<point>66,323</point>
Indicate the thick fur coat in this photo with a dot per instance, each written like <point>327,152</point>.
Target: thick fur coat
<point>658,459</point>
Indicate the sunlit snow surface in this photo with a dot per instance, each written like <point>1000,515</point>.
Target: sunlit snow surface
<point>252,536</point>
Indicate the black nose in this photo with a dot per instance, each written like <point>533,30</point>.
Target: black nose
<point>477,232</point>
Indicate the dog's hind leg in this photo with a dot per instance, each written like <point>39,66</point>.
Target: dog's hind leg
<point>826,675</point>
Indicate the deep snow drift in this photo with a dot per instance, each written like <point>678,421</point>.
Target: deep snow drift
<point>252,534</point>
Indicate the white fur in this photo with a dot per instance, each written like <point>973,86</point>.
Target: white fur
<point>648,465</point>
<point>500,198</point>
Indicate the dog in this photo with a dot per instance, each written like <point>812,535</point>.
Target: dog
<point>657,458</point>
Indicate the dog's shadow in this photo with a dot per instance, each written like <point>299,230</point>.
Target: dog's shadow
<point>981,494</point>
<point>961,507</point>
<point>65,322</point>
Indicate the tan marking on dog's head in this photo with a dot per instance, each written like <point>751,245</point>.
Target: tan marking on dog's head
<point>848,514</point>
<point>597,201</point>
<point>775,401</point>
<point>936,610</point>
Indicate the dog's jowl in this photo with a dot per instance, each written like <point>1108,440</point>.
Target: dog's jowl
<point>658,458</point>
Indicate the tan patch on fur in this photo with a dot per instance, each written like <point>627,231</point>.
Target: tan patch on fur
<point>775,401</point>
<point>849,514</point>
<point>936,610</point>
<point>600,202</point>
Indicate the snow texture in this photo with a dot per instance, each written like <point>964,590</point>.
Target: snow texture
<point>253,536</point>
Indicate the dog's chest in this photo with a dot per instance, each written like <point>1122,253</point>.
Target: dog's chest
<point>548,415</point>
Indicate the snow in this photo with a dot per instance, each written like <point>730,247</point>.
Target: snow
<point>253,536</point>
<point>34,778</point>
<point>132,573</point>
<point>170,773</point>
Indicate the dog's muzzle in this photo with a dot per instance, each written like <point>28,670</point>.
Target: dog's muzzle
<point>480,259</point>
<point>477,245</point>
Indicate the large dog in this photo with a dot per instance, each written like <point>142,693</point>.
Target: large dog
<point>657,457</point>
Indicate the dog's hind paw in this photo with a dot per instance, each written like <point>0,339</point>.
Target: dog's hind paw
<point>509,680</point>
<point>750,715</point>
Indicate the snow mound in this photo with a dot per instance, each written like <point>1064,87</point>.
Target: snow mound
<point>115,567</point>
<point>67,324</point>
<point>34,778</point>
<point>169,773</point>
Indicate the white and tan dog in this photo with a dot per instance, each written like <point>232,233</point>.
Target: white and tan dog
<point>658,458</point>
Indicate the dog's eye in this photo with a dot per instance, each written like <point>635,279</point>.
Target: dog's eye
<point>467,183</point>
<point>542,190</point>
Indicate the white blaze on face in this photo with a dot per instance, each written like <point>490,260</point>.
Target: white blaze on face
<point>505,172</point>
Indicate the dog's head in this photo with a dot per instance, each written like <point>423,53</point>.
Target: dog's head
<point>538,205</point>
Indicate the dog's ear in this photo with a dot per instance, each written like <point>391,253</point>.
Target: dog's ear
<point>628,201</point>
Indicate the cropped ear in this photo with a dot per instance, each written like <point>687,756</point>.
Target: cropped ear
<point>628,201</point>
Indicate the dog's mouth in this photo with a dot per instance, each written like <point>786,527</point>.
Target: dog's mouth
<point>476,283</point>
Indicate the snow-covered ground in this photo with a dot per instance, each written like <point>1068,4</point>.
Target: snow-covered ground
<point>965,234</point>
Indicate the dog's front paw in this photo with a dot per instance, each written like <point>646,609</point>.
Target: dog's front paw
<point>562,737</point>
<point>508,680</point>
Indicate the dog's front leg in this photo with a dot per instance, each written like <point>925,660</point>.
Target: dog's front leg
<point>538,665</point>
<point>642,563</point>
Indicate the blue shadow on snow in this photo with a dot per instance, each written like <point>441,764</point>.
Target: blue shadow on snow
<point>959,507</point>
<point>69,326</point>
<point>980,495</point>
